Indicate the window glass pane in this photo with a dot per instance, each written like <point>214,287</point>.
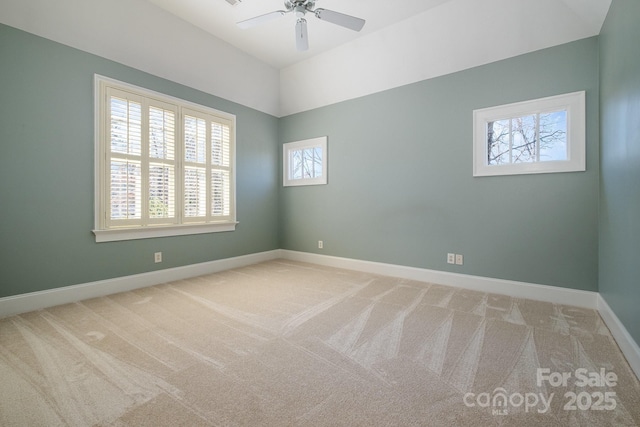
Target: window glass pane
<point>161,191</point>
<point>220,193</point>
<point>317,162</point>
<point>161,133</point>
<point>296,164</point>
<point>307,163</point>
<point>195,192</point>
<point>498,137</point>
<point>126,189</point>
<point>553,136</point>
<point>520,144</point>
<point>523,139</point>
<point>126,126</point>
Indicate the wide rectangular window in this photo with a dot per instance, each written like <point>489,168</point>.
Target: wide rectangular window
<point>538,136</point>
<point>164,166</point>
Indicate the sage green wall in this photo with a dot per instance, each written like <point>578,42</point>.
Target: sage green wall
<point>46,173</point>
<point>400,184</point>
<point>401,189</point>
<point>619,282</point>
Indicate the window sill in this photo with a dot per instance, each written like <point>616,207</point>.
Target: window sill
<point>149,232</point>
<point>530,168</point>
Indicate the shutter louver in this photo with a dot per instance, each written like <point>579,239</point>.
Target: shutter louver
<point>126,189</point>
<point>195,172</point>
<point>195,192</point>
<point>220,174</point>
<point>126,126</point>
<point>220,193</point>
<point>161,164</point>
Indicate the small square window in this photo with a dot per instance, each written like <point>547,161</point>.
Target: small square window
<point>305,162</point>
<point>539,136</point>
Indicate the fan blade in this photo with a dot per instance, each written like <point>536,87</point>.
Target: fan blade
<point>347,21</point>
<point>252,22</point>
<point>302,41</point>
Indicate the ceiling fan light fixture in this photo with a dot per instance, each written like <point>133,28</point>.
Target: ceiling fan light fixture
<point>302,39</point>
<point>300,9</point>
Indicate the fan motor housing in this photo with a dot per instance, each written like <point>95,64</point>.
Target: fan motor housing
<point>300,11</point>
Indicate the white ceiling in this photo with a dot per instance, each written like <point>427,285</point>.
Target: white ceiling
<point>197,43</point>
<point>274,42</point>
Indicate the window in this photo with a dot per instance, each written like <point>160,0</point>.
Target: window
<point>164,166</point>
<point>539,136</point>
<point>305,162</point>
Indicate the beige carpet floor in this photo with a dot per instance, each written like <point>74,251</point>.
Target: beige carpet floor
<point>292,344</point>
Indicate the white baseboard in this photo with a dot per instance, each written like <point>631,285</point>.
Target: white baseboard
<point>625,341</point>
<point>558,295</point>
<point>38,300</point>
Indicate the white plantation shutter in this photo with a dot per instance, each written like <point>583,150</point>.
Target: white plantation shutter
<point>207,167</point>
<point>221,170</point>
<point>195,192</point>
<point>142,184</point>
<point>125,189</point>
<point>195,168</point>
<point>162,163</point>
<point>125,158</point>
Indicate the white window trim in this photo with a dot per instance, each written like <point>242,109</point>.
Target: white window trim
<point>117,234</point>
<point>298,145</point>
<point>574,103</point>
<point>103,234</point>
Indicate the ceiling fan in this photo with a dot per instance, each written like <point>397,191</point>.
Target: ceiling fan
<point>300,8</point>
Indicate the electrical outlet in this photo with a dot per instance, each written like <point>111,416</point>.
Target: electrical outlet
<point>157,257</point>
<point>459,259</point>
<point>320,244</point>
<point>451,258</point>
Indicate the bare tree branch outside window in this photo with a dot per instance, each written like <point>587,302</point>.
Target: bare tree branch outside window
<point>307,163</point>
<point>526,139</point>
